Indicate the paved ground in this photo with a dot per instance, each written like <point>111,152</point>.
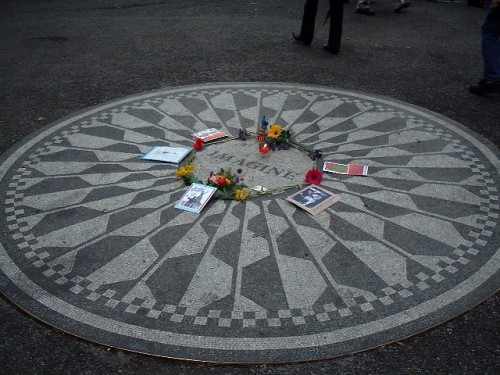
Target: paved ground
<point>53,60</point>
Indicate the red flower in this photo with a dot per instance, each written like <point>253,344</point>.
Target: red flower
<point>314,176</point>
<point>222,181</point>
<point>198,144</point>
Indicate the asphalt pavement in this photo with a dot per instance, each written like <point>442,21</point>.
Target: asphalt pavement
<point>60,57</point>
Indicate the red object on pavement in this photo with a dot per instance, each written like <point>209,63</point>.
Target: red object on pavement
<point>198,144</point>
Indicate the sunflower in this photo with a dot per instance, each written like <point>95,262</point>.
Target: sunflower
<point>275,131</point>
<point>314,176</point>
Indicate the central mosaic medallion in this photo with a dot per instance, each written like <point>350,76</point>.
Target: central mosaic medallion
<point>279,169</point>
<point>92,243</point>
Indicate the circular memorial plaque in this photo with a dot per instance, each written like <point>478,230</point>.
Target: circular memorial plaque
<point>92,243</point>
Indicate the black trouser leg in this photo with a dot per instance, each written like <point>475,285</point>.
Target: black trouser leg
<point>336,19</point>
<point>308,20</point>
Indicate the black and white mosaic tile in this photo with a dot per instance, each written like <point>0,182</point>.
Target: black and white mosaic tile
<point>92,244</point>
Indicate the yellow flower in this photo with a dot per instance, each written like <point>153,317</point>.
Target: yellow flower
<point>242,194</point>
<point>275,131</point>
<point>185,171</point>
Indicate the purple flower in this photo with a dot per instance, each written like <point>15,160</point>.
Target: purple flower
<point>316,154</point>
<point>242,134</point>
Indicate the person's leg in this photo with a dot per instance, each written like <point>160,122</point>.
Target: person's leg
<point>308,21</point>
<point>490,44</point>
<point>336,20</point>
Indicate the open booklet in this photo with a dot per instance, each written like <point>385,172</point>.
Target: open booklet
<point>313,199</point>
<point>209,134</point>
<point>350,169</point>
<point>167,154</point>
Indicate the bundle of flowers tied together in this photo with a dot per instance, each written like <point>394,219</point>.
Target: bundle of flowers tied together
<point>279,138</point>
<point>228,184</point>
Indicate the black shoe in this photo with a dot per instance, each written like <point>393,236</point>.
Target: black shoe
<point>299,39</point>
<point>365,11</point>
<point>327,48</point>
<point>485,87</point>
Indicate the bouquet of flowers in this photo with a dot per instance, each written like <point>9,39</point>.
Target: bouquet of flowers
<point>229,185</point>
<point>278,138</point>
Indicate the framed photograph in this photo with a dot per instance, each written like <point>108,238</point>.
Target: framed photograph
<point>209,134</point>
<point>350,169</point>
<point>196,197</point>
<point>313,199</point>
<point>167,154</point>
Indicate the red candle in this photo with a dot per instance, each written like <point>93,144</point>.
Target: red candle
<point>264,148</point>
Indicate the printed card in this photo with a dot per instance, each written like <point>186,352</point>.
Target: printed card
<point>196,197</point>
<point>313,199</point>
<point>167,154</point>
<point>209,134</point>
<point>349,169</point>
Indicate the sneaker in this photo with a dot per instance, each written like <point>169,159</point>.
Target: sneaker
<point>299,39</point>
<point>484,87</point>
<point>402,5</point>
<point>365,11</point>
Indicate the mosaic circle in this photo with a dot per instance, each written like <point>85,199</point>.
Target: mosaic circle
<point>92,243</point>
